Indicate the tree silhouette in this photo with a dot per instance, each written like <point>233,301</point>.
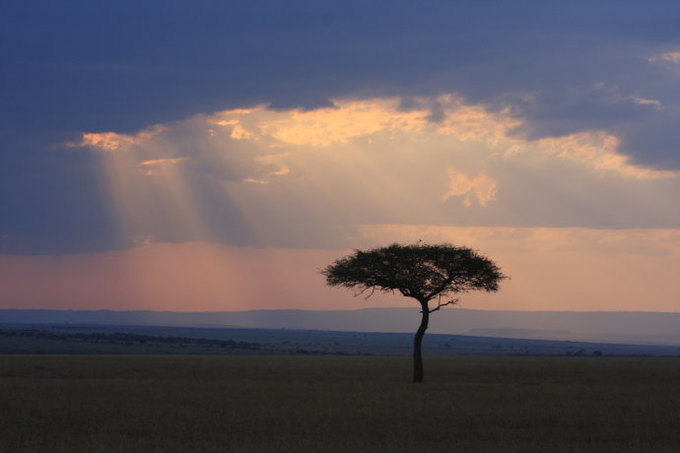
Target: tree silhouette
<point>421,271</point>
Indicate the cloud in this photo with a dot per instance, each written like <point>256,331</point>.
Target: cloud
<point>302,55</point>
<point>169,161</point>
<point>474,122</point>
<point>149,165</point>
<point>264,129</point>
<point>293,178</point>
<point>599,151</point>
<point>344,121</point>
<point>671,57</point>
<point>539,70</point>
<point>481,187</point>
<point>643,101</point>
<point>112,141</point>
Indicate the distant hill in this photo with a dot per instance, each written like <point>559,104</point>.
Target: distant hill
<point>610,327</point>
<point>155,340</point>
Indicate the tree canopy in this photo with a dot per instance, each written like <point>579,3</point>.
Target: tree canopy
<point>421,271</point>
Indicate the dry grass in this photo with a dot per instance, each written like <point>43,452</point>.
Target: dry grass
<point>260,404</point>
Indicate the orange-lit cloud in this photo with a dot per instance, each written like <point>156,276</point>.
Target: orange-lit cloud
<point>358,156</point>
<point>672,57</point>
<point>170,161</point>
<point>344,121</point>
<point>480,187</point>
<point>599,151</point>
<point>341,166</point>
<point>266,129</point>
<point>642,101</point>
<point>112,141</point>
<point>149,165</point>
<point>466,122</point>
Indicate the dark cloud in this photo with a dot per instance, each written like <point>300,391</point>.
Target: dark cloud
<point>654,139</point>
<point>122,65</point>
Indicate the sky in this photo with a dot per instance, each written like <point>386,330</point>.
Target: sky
<point>210,155</point>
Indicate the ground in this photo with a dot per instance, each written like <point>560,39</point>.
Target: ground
<point>128,403</point>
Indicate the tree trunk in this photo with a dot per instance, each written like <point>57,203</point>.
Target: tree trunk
<point>417,343</point>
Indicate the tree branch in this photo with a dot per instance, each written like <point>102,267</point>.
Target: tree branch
<point>372,288</point>
<point>440,304</point>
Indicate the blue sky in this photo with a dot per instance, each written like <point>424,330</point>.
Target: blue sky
<point>529,116</point>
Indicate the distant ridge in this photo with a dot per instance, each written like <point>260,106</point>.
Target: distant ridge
<point>614,327</point>
<point>529,334</point>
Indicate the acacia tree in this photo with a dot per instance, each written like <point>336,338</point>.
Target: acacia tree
<point>421,271</point>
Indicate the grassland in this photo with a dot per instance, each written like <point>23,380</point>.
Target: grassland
<point>295,403</point>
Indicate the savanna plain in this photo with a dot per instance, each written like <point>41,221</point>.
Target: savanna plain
<point>126,403</point>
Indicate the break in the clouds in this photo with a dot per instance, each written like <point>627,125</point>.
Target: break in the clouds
<point>314,178</point>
